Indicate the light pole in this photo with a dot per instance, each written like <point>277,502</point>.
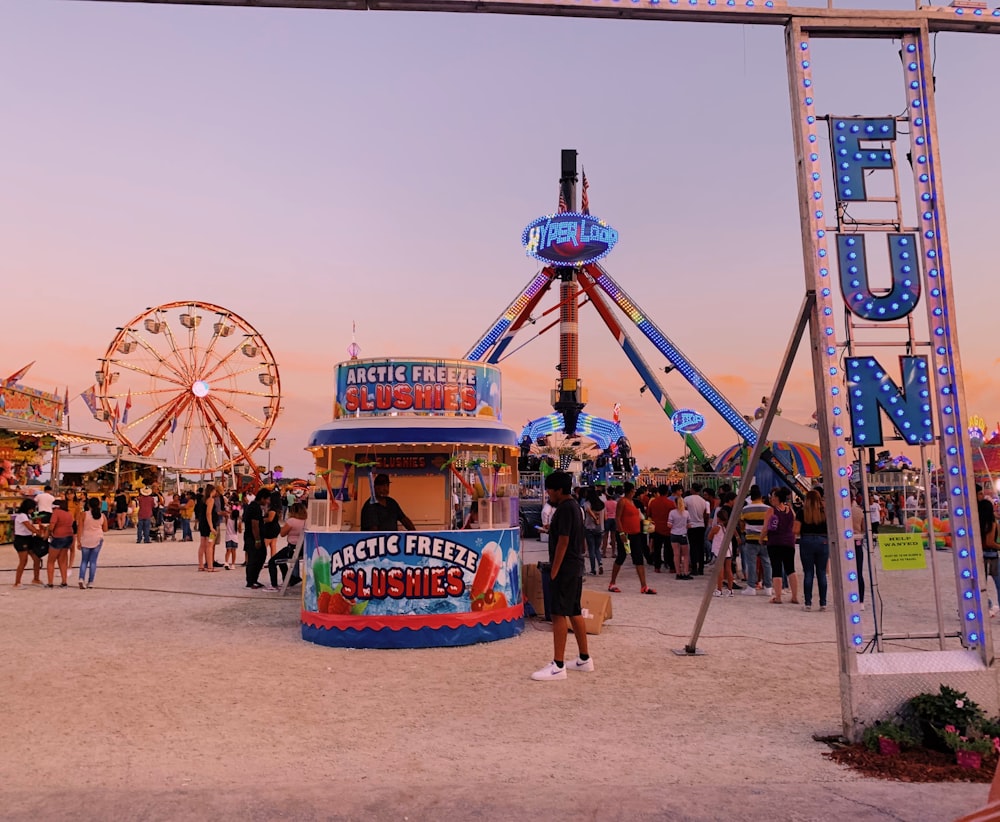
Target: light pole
<point>266,445</point>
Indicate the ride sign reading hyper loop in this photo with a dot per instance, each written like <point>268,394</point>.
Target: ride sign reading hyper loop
<point>568,239</point>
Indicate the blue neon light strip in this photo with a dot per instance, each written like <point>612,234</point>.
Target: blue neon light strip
<point>675,357</point>
<point>944,360</point>
<point>507,318</point>
<point>825,337</point>
<point>603,432</point>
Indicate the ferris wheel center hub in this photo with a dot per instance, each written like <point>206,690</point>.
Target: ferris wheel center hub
<point>200,388</point>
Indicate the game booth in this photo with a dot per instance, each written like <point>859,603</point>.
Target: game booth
<point>433,426</point>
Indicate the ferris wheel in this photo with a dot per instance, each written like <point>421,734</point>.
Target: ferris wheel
<point>192,383</point>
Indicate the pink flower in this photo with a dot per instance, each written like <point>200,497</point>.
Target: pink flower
<point>996,744</point>
<point>950,729</point>
<point>959,703</point>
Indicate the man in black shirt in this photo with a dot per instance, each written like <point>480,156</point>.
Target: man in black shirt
<point>383,513</point>
<point>567,555</point>
<point>253,538</point>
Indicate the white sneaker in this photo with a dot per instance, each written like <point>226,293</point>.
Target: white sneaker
<point>749,592</point>
<point>587,666</point>
<point>716,593</point>
<point>769,592</point>
<point>549,672</point>
<point>727,592</point>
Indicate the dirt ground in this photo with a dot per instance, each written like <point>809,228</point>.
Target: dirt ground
<point>164,693</point>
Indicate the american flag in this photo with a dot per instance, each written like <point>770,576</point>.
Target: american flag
<point>585,199</point>
<point>616,412</point>
<point>562,201</point>
<point>117,417</point>
<point>128,405</point>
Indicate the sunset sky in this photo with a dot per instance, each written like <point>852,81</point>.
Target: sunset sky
<point>314,169</point>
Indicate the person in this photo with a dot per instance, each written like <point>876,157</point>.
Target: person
<point>874,515</point>
<point>659,510</point>
<point>26,531</point>
<point>630,533</point>
<point>383,513</point>
<point>232,531</point>
<point>698,510</point>
<point>677,522</point>
<point>121,509</point>
<point>147,502</point>
<point>272,522</point>
<point>593,523</point>
<point>988,535</point>
<point>91,539</point>
<point>45,501</point>
<point>60,542</point>
<point>860,544</point>
<point>187,514</point>
<point>610,525</point>
<point>291,530</point>
<point>566,557</point>
<point>204,512</point>
<point>814,547</point>
<point>472,521</point>
<point>253,537</point>
<point>171,516</point>
<point>754,519</point>
<point>75,502</point>
<point>780,538</point>
<point>717,532</point>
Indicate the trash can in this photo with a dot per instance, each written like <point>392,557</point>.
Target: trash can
<point>545,571</point>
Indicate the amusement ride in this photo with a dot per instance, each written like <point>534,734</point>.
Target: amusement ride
<point>192,376</point>
<point>571,243</point>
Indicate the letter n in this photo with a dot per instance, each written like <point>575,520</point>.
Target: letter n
<point>871,389</point>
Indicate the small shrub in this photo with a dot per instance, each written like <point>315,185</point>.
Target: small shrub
<point>887,730</point>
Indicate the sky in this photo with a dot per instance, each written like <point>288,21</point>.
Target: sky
<point>313,170</point>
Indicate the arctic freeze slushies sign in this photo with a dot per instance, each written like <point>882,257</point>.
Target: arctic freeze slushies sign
<point>443,387</point>
<point>401,583</point>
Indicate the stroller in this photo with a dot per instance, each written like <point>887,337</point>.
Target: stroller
<point>155,529</point>
<point>169,527</point>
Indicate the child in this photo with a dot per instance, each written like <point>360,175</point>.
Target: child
<point>716,534</point>
<point>233,529</point>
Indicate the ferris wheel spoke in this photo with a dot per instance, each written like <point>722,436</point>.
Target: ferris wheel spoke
<point>140,370</point>
<point>185,365</point>
<point>217,425</point>
<point>211,372</point>
<point>264,395</point>
<point>159,355</point>
<point>161,427</point>
<point>167,409</point>
<point>234,438</point>
<point>186,435</point>
<point>239,411</point>
<point>211,345</point>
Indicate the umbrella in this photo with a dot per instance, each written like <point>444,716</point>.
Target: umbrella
<point>730,461</point>
<point>802,458</point>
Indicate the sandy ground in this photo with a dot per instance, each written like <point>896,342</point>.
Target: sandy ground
<point>164,693</point>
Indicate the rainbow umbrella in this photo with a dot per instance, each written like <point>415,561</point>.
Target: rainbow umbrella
<point>802,458</point>
<point>730,461</point>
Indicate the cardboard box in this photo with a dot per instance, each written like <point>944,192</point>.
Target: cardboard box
<point>596,607</point>
<point>531,584</point>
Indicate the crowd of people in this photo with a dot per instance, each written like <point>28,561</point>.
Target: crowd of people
<point>681,531</point>
<point>51,528</point>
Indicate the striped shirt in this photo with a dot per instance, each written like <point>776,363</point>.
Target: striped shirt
<point>754,518</point>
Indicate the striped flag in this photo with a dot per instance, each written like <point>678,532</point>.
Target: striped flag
<point>585,199</point>
<point>128,405</point>
<point>89,398</point>
<point>17,376</point>
<point>117,417</point>
<point>562,201</point>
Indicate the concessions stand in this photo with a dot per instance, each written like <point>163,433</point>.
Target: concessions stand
<point>433,426</point>
<point>31,428</point>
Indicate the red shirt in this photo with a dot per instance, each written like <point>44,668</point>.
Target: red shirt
<point>146,504</point>
<point>659,509</point>
<point>61,524</point>
<point>627,517</point>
